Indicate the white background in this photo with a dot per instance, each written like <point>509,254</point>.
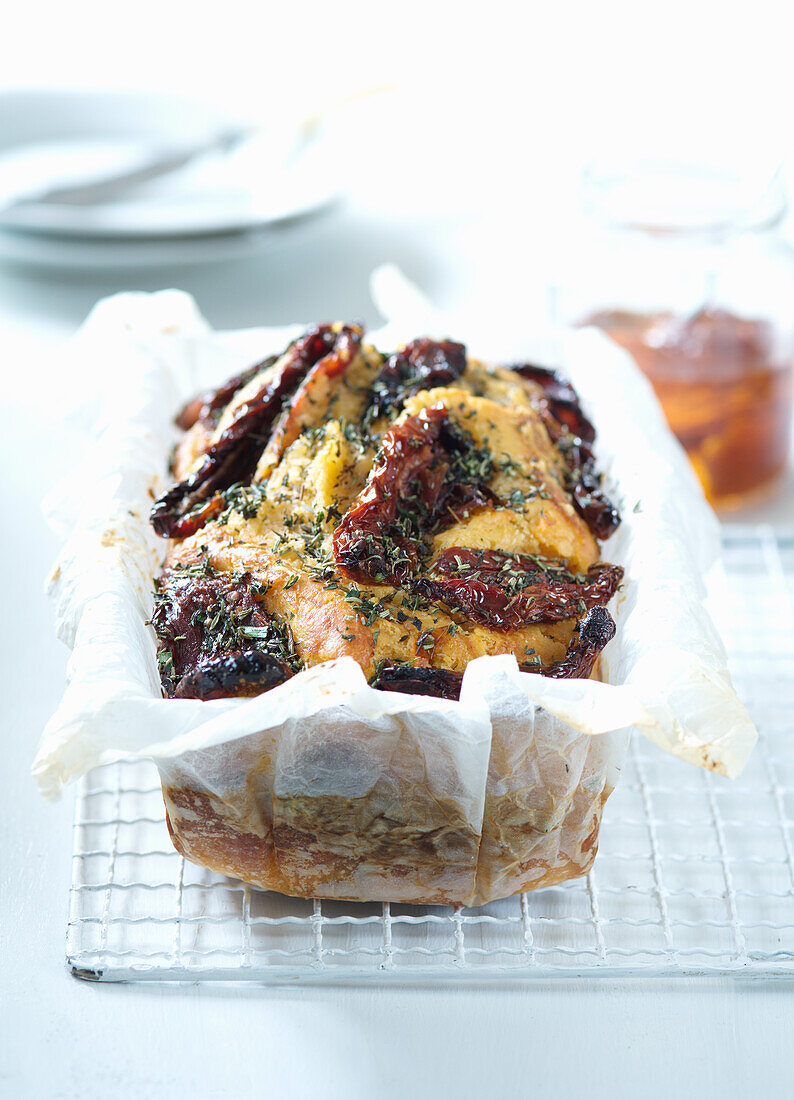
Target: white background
<point>464,177</point>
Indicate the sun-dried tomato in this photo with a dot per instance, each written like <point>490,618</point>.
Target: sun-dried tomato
<point>420,365</point>
<point>379,537</point>
<point>595,628</point>
<point>245,673</point>
<point>573,434</point>
<point>186,507</point>
<point>508,591</point>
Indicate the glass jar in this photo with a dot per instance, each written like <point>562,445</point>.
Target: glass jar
<point>686,269</point>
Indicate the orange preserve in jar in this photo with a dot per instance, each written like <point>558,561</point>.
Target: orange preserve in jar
<point>686,269</point>
<point>726,392</point>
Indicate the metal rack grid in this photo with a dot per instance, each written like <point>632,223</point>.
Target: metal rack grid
<point>695,874</point>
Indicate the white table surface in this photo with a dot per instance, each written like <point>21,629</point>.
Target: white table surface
<point>60,1037</point>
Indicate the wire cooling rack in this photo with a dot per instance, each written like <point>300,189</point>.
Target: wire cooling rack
<point>694,874</point>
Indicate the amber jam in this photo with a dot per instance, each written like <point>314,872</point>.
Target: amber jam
<point>725,390</point>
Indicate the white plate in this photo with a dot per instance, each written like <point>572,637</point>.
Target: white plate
<point>44,131</point>
<point>63,253</point>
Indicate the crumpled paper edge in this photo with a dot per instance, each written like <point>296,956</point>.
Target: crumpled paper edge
<point>666,670</point>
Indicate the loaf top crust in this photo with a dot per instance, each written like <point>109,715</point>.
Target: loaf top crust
<point>413,510</point>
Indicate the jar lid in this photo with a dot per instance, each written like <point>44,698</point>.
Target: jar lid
<point>668,197</point>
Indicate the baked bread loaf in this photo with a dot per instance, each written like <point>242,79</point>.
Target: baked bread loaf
<point>413,511</point>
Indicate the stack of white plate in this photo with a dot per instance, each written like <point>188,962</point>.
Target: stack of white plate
<point>83,179</point>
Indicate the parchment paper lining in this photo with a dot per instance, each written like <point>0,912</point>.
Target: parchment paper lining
<point>514,775</point>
